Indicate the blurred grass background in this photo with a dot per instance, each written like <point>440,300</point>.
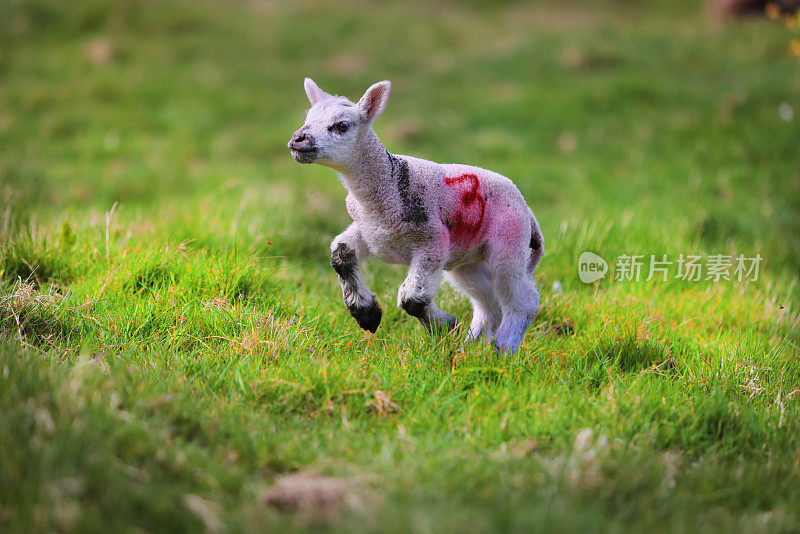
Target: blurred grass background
<point>135,102</point>
<point>172,330</point>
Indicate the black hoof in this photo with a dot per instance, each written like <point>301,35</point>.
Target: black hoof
<point>367,317</point>
<point>415,307</point>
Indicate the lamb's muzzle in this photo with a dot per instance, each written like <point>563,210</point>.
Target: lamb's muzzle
<point>302,146</point>
<point>468,223</point>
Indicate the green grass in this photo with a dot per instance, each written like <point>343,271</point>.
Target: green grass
<point>172,338</point>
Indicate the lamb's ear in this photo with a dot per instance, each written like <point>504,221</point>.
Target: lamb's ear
<point>374,100</point>
<point>314,93</point>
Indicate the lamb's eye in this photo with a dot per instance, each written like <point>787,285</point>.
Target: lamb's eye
<point>341,127</point>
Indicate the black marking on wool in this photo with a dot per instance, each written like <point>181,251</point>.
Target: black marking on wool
<point>344,261</point>
<point>413,210</point>
<point>535,243</point>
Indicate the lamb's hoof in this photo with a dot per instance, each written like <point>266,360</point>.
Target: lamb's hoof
<point>368,317</point>
<point>503,348</point>
<point>415,307</point>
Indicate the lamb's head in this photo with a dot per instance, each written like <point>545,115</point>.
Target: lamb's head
<point>336,128</point>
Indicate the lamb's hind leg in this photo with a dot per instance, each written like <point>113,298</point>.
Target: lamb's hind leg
<point>347,250</point>
<point>474,281</point>
<point>417,292</point>
<point>518,297</point>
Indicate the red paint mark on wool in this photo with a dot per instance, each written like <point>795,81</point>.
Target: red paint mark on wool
<point>468,219</point>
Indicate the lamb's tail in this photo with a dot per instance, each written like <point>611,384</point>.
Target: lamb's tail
<point>537,244</point>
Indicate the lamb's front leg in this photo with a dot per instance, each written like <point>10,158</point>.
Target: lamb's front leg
<point>419,289</point>
<point>347,250</point>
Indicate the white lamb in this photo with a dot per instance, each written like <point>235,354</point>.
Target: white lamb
<point>470,223</point>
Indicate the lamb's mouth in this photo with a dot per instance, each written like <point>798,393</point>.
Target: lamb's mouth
<point>304,155</point>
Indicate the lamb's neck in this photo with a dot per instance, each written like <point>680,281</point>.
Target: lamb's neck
<point>369,178</point>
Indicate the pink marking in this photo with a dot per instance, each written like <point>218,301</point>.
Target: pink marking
<point>463,229</point>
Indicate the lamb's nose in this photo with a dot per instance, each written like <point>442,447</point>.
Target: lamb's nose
<point>299,137</point>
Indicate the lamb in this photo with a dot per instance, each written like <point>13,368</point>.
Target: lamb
<point>465,222</point>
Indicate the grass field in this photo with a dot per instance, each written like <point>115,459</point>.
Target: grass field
<point>174,352</point>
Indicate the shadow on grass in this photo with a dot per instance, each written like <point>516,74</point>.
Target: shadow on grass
<point>152,277</point>
<point>714,421</point>
<point>624,356</point>
<point>22,259</point>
